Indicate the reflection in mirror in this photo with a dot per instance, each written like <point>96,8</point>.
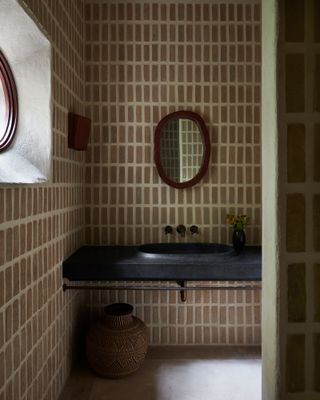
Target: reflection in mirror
<point>181,149</point>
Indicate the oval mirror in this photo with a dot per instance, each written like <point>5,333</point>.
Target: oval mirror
<point>182,149</point>
<point>8,104</point>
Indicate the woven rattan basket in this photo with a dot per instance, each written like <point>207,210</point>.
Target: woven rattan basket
<point>116,346</point>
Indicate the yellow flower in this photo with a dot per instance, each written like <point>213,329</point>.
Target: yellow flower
<point>238,221</point>
<point>230,219</point>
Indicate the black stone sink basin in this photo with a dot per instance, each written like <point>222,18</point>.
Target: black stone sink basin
<point>168,262</point>
<point>185,248</point>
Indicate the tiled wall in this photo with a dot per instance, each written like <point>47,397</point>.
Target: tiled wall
<point>144,60</point>
<point>219,317</point>
<point>300,122</point>
<point>39,227</point>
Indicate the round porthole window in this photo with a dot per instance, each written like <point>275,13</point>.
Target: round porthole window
<point>8,104</point>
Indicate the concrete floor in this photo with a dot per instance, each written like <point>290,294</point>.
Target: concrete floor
<point>171,373</point>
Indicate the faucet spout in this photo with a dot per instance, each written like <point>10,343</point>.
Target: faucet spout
<point>181,229</point>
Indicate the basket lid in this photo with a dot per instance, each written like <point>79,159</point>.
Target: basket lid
<point>118,309</point>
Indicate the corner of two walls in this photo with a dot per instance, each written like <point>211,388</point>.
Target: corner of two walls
<point>143,61</point>
<point>182,55</point>
<point>39,227</point>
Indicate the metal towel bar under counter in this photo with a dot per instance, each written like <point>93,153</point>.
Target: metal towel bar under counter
<point>182,287</point>
<point>127,264</point>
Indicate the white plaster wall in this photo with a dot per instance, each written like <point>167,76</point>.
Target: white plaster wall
<point>28,159</point>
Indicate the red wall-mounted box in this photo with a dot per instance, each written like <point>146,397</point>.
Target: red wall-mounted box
<point>78,131</point>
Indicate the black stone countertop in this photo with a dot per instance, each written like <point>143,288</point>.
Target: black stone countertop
<point>127,263</point>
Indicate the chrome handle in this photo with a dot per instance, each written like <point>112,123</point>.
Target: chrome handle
<point>181,229</point>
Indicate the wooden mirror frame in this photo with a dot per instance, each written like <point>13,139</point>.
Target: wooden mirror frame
<point>11,103</point>
<point>206,144</point>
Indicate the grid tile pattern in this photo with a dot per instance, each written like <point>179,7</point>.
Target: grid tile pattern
<point>170,150</point>
<point>39,227</point>
<point>143,61</point>
<point>220,317</point>
<point>191,149</point>
<point>301,197</point>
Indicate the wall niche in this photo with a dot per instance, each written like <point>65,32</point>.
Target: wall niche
<point>28,52</point>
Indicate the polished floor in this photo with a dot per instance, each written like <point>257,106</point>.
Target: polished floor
<point>171,373</point>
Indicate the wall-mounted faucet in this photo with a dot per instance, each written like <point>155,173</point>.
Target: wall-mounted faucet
<point>194,230</point>
<point>181,229</point>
